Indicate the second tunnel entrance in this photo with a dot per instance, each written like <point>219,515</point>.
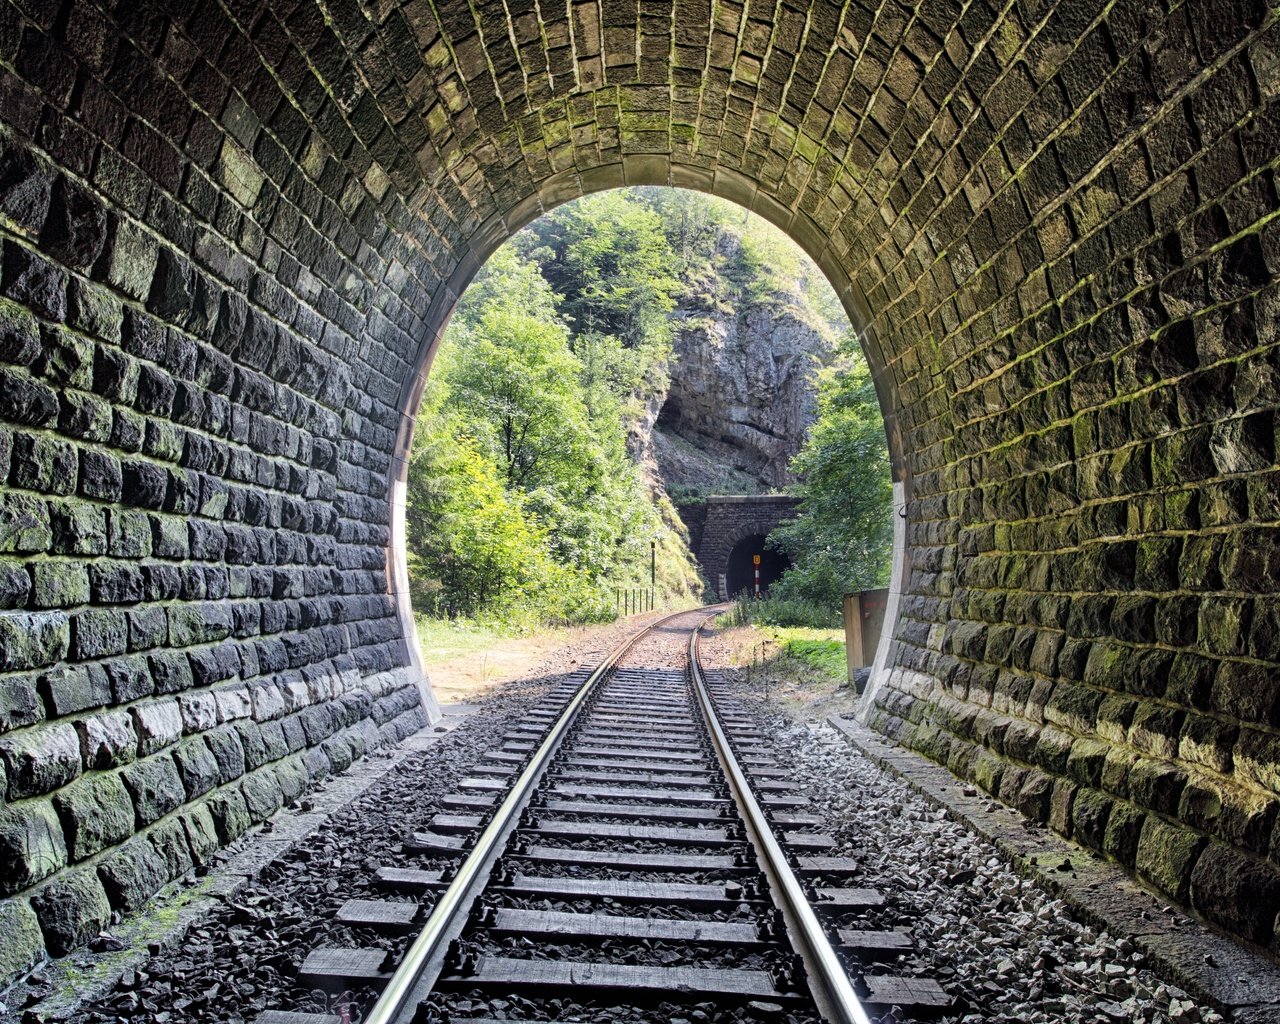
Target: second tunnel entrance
<point>740,571</point>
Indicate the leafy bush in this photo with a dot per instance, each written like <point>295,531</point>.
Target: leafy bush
<point>842,539</point>
<point>782,611</point>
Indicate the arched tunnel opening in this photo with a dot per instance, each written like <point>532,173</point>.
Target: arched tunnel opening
<point>233,234</point>
<point>740,569</point>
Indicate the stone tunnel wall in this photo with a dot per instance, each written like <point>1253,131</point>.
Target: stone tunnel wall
<point>1091,627</point>
<point>203,335</point>
<point>233,232</point>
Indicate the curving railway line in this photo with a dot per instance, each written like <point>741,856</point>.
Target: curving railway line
<point>631,848</point>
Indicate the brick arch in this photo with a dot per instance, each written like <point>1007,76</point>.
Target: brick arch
<point>231,232</point>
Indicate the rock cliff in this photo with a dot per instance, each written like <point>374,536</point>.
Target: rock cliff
<point>741,395</point>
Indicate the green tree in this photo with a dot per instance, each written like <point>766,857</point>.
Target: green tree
<point>842,540</point>
<point>522,492</point>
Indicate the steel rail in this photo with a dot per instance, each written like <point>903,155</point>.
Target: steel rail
<point>412,981</point>
<point>834,993</point>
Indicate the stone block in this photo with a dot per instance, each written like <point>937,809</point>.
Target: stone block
<point>144,484</point>
<point>23,945</point>
<point>233,703</point>
<point>273,739</point>
<point>1061,802</point>
<point>1191,680</point>
<point>84,416</point>
<point>199,623</point>
<point>79,528</point>
<point>171,671</point>
<point>1032,798</point>
<point>26,188</point>
<point>73,688</point>
<point>201,832</point>
<point>25,525</point>
<point>59,583</point>
<point>30,640</point>
<point>148,628</point>
<point>94,310</point>
<point>262,794</point>
<point>1156,785</point>
<point>32,281</point>
<point>1053,749</point>
<point>1124,830</point>
<point>157,723</point>
<point>128,533</point>
<point>66,359</point>
<point>1115,714</point>
<point>1257,758</point>
<point>116,583</point>
<point>43,463</point>
<point>291,777</point>
<point>199,711</point>
<point>230,814</point>
<point>142,335</point>
<point>99,633</point>
<point>267,702</point>
<point>1250,693</point>
<point>40,759</point>
<point>224,744</point>
<point>155,786</point>
<point>132,874</point>
<point>130,678</point>
<point>107,740</point>
<point>197,767</point>
<point>216,664</point>
<point>1207,741</point>
<point>129,259</point>
<point>1237,892</point>
<point>19,335</point>
<point>32,846</point>
<point>96,812</point>
<point>15,584</point>
<point>294,736</point>
<point>1155,730</point>
<point>19,703</point>
<point>1166,855</point>
<point>72,909</point>
<point>169,840</point>
<point>318,766</point>
<point>255,748</point>
<point>26,400</point>
<point>1090,812</point>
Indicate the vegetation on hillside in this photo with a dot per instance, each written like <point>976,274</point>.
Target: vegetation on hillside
<point>524,503</point>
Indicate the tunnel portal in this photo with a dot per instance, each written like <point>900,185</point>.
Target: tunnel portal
<point>740,570</point>
<point>232,234</point>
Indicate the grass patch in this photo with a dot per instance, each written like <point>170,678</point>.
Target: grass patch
<point>443,640</point>
<point>822,649</point>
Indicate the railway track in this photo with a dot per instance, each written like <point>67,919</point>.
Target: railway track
<point>630,851</point>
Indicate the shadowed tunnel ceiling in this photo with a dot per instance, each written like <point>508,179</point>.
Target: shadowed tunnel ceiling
<point>233,231</point>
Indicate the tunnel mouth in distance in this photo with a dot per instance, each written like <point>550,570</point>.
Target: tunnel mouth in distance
<point>740,569</point>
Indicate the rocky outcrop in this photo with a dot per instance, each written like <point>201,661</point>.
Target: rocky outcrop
<point>742,391</point>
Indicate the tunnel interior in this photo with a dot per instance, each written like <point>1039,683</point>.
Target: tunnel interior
<point>740,568</point>
<point>232,234</point>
